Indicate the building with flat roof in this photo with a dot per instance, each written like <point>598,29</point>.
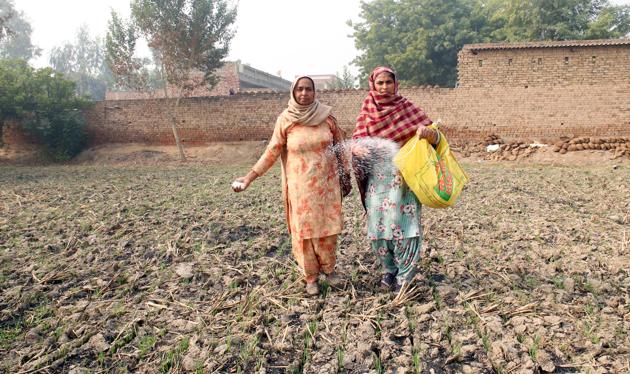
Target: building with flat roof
<point>233,77</point>
<point>324,81</point>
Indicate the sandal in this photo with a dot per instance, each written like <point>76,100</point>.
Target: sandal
<point>312,289</point>
<point>388,280</point>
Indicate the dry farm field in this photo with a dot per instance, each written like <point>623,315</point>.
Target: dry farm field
<point>161,268</point>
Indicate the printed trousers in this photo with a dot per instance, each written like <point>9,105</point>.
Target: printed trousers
<point>315,255</point>
<point>399,257</point>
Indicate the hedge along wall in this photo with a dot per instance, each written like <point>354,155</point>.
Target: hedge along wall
<point>467,114</point>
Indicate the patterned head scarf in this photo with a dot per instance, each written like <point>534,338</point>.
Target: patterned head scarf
<point>388,116</point>
<point>309,115</point>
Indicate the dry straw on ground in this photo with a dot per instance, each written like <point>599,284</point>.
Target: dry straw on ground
<point>163,268</point>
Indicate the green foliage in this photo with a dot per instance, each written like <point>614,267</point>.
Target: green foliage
<point>146,344</point>
<point>6,13</point>
<point>559,19</point>
<point>62,134</point>
<point>120,44</point>
<point>15,34</point>
<point>14,102</point>
<point>84,63</point>
<point>533,348</point>
<point>172,357</point>
<point>611,22</point>
<point>189,40</point>
<point>189,36</point>
<point>423,37</point>
<point>46,105</point>
<point>10,334</point>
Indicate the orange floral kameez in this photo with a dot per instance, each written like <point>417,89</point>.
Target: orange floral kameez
<point>311,192</point>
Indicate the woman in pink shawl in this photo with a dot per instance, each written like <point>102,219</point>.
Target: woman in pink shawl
<point>393,211</point>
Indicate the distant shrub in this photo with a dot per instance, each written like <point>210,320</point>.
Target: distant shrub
<point>46,105</point>
<point>62,134</point>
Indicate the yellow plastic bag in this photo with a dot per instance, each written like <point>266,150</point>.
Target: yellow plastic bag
<point>434,175</point>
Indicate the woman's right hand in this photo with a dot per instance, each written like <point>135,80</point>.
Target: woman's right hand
<point>428,134</point>
<point>240,184</point>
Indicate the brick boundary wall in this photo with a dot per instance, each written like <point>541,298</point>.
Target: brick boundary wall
<point>13,136</point>
<point>467,114</point>
<point>549,64</point>
<point>537,113</point>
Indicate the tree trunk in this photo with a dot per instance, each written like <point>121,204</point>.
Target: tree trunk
<point>180,147</point>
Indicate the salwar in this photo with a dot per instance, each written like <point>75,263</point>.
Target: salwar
<point>399,257</point>
<point>315,255</point>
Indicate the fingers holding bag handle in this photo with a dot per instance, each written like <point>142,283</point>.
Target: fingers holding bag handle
<point>431,135</point>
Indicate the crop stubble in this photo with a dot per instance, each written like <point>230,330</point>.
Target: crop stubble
<point>163,268</point>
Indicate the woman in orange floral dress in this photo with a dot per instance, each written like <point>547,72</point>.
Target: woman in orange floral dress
<point>302,138</point>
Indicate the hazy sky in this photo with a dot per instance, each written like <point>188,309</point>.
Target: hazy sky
<point>291,36</point>
<point>294,37</point>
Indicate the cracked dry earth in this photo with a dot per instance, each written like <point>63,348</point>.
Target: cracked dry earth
<point>163,269</point>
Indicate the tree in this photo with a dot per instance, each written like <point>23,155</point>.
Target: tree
<point>16,44</point>
<point>559,19</point>
<point>46,105</point>
<point>345,80</point>
<point>611,22</point>
<point>120,43</point>
<point>84,63</point>
<point>190,38</point>
<point>421,39</point>
<point>129,71</point>
<point>6,13</point>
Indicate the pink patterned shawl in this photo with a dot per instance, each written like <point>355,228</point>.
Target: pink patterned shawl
<point>388,116</point>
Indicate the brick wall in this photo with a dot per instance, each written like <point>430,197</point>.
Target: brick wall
<point>558,66</point>
<point>14,137</point>
<point>199,119</point>
<point>535,90</point>
<point>467,113</point>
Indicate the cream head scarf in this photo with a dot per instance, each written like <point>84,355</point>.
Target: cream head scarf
<point>309,115</point>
